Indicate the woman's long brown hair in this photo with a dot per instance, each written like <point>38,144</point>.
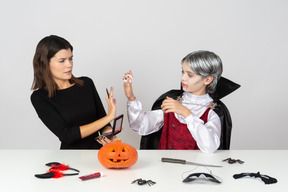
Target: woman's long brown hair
<point>45,50</point>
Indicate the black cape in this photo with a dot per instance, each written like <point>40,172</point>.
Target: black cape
<point>224,87</point>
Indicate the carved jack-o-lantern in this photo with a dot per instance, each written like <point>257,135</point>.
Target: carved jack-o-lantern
<point>117,155</point>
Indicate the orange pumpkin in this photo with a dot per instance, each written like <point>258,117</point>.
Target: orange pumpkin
<point>117,155</point>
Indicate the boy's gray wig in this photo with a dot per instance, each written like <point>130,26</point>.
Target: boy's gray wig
<point>205,63</point>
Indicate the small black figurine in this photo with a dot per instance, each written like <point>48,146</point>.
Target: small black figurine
<point>143,182</point>
<point>232,161</point>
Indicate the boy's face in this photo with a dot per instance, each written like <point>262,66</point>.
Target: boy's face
<point>193,83</point>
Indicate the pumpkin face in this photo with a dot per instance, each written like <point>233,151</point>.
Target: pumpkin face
<point>117,155</point>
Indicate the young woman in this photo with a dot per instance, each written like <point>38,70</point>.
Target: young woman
<point>187,120</point>
<point>70,107</point>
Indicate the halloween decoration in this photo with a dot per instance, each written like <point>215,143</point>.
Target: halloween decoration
<point>205,176</point>
<point>91,176</point>
<point>201,176</point>
<point>232,161</point>
<point>55,171</point>
<point>117,155</point>
<point>181,161</point>
<point>265,178</point>
<point>143,182</point>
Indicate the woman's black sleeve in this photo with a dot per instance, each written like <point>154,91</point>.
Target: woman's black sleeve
<point>51,118</point>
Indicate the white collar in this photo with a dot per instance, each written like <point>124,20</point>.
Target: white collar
<point>196,99</point>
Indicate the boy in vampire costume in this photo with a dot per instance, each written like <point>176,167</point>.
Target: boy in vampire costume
<point>190,118</point>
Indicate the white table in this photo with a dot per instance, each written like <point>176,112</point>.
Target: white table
<point>18,168</point>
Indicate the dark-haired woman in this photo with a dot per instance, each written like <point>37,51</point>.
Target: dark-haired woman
<point>70,107</point>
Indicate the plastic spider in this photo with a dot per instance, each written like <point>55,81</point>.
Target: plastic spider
<point>143,182</point>
<point>232,161</point>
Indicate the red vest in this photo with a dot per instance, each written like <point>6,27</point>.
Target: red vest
<point>175,135</point>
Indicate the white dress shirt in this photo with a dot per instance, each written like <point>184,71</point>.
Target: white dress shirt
<point>206,135</point>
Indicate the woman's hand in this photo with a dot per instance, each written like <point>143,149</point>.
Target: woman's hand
<point>111,104</point>
<point>94,126</point>
<point>128,86</point>
<point>171,105</point>
<point>104,140</point>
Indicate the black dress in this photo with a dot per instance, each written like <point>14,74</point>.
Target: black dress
<point>69,109</point>
<point>224,87</point>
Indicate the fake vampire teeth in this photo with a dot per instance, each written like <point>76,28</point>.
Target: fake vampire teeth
<point>126,78</point>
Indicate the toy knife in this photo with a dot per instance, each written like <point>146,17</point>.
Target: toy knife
<point>181,161</point>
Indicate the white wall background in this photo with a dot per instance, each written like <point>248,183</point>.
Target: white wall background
<point>150,37</point>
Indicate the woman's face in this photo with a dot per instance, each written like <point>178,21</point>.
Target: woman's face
<point>191,82</point>
<point>61,66</point>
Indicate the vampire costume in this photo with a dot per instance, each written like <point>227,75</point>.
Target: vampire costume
<point>224,87</point>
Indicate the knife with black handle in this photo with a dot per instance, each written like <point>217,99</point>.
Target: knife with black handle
<point>181,161</point>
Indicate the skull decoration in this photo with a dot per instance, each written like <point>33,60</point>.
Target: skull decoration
<point>117,155</point>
